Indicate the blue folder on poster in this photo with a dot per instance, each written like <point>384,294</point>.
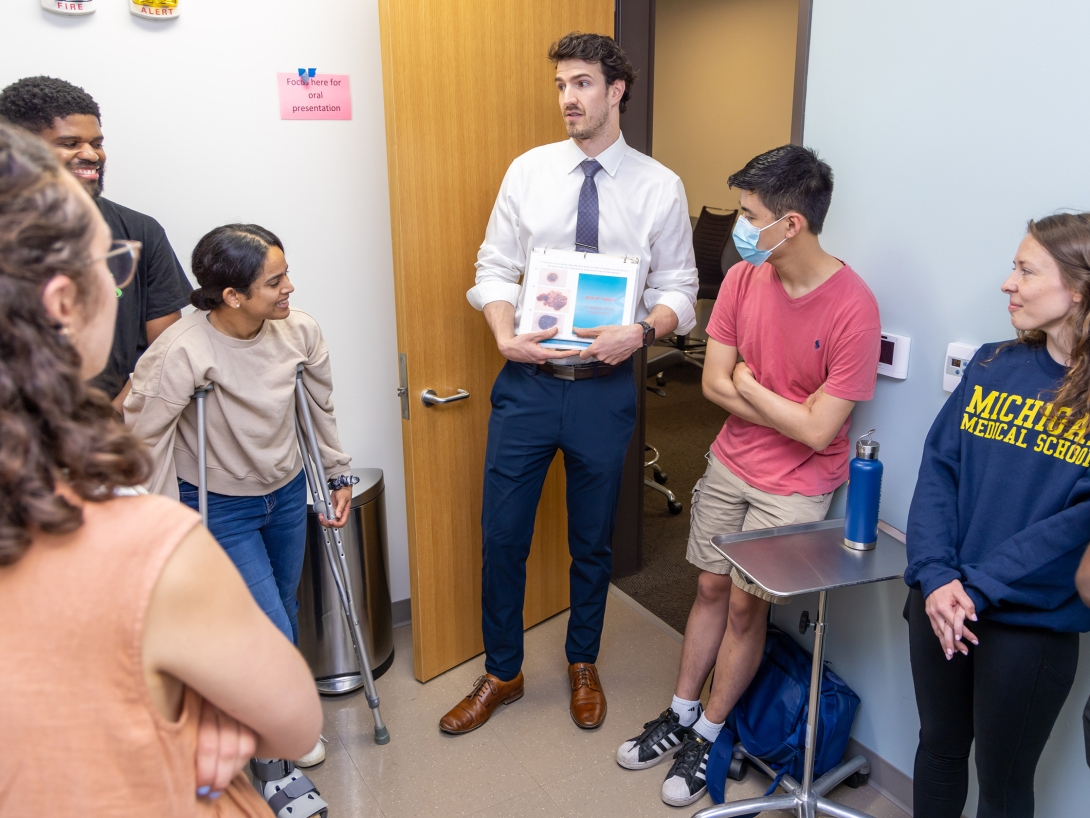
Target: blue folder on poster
<point>599,301</point>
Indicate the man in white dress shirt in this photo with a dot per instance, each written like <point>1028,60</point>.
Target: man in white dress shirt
<point>596,194</point>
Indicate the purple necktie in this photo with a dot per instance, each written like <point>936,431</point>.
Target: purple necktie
<point>586,227</point>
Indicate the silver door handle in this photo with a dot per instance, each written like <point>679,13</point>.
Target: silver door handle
<point>429,398</point>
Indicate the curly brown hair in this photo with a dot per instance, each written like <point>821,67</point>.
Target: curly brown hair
<point>601,49</point>
<point>53,427</point>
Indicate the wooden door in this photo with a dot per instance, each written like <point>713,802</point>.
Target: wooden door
<point>467,88</point>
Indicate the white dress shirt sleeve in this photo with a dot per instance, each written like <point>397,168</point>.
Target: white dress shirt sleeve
<point>672,279</point>
<point>501,259</point>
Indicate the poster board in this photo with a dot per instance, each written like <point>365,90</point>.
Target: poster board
<point>573,290</point>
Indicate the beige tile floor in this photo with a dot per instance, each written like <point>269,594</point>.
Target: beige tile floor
<point>529,760</point>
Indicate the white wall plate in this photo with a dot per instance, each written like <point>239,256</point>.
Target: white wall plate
<point>893,357</point>
<point>957,358</point>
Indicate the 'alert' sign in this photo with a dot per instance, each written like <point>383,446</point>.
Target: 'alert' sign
<point>154,9</point>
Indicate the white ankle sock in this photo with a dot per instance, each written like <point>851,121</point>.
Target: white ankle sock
<point>688,711</point>
<point>707,730</point>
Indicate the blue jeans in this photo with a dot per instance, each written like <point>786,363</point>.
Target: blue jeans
<point>265,537</point>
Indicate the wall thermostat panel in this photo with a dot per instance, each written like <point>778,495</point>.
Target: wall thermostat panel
<point>893,357</point>
<point>957,358</point>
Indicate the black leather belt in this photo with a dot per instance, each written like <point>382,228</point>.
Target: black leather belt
<point>580,372</point>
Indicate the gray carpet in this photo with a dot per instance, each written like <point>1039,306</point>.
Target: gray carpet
<point>681,426</point>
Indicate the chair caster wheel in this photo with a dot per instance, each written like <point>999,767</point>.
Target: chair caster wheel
<point>674,507</point>
<point>737,769</point>
<point>856,780</point>
<point>660,478</point>
<point>660,379</point>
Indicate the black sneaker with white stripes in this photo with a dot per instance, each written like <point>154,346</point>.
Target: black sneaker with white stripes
<point>686,781</point>
<point>659,739</point>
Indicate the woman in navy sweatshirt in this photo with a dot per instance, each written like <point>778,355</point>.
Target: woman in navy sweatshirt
<point>998,524</point>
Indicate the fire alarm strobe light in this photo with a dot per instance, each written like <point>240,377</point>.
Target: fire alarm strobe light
<point>154,9</point>
<point>73,7</point>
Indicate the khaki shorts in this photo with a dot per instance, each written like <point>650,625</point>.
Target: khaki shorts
<point>723,503</point>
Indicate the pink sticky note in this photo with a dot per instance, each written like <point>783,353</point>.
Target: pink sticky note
<point>325,96</point>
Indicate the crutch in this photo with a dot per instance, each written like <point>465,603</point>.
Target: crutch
<point>202,454</point>
<point>334,547</point>
<point>301,790</point>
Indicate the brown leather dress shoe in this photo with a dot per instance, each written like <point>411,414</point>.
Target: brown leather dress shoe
<point>488,693</point>
<point>588,701</point>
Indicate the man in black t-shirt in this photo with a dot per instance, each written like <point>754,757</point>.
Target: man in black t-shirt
<point>68,119</point>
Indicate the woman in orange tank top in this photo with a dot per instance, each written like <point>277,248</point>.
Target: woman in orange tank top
<point>123,620</point>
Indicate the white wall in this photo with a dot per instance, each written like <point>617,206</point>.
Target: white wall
<point>194,138</point>
<point>947,125</point>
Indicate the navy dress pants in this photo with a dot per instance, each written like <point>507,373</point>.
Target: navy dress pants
<point>534,414</point>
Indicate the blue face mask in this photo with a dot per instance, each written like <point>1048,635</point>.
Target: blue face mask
<point>746,237</point>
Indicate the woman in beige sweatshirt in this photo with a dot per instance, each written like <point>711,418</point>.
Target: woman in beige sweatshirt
<point>247,342</point>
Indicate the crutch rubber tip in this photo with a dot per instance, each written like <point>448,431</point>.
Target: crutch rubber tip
<point>382,735</point>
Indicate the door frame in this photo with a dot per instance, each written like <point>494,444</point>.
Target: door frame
<point>802,69</point>
<point>634,30</point>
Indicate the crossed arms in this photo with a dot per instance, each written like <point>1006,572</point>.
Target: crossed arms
<point>729,383</point>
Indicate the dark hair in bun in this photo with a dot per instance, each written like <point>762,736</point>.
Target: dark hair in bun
<point>229,256</point>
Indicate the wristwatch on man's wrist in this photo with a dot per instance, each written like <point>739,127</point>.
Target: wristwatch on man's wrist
<point>648,333</point>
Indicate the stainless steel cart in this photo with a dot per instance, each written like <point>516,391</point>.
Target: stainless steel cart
<point>804,559</point>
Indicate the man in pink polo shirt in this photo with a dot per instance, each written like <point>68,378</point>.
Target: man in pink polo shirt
<point>793,345</point>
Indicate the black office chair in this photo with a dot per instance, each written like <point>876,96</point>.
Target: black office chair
<point>711,237</point>
<point>659,359</point>
<point>715,254</point>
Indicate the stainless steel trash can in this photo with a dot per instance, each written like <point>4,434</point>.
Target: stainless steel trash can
<point>324,638</point>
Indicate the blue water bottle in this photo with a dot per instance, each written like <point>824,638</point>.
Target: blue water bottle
<point>864,492</point>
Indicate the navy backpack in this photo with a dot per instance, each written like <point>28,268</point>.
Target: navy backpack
<point>770,718</point>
